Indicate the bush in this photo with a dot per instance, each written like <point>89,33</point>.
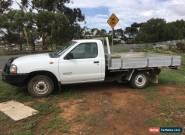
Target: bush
<point>180,46</point>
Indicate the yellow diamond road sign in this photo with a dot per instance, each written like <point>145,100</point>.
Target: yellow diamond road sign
<point>113,20</point>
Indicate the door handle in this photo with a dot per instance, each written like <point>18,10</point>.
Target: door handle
<point>96,62</point>
<point>67,73</point>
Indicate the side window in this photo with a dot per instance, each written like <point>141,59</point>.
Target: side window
<point>85,50</point>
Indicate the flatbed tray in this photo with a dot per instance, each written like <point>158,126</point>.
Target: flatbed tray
<point>142,60</point>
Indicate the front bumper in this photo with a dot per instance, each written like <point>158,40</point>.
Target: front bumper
<point>16,80</point>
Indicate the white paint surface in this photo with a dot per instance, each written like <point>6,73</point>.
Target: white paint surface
<point>17,111</point>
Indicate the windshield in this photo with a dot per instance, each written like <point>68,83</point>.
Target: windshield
<point>63,49</point>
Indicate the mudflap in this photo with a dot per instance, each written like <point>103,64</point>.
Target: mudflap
<point>154,79</point>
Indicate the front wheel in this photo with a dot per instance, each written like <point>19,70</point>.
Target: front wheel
<point>40,86</point>
<point>139,80</point>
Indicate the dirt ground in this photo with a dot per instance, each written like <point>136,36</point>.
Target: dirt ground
<point>102,109</point>
<point>115,109</point>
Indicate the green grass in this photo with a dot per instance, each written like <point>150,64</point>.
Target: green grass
<point>169,76</point>
<point>8,92</point>
<point>71,93</point>
<point>25,132</point>
<point>46,107</point>
<point>3,117</point>
<point>94,122</point>
<point>23,127</point>
<point>160,122</point>
<point>57,123</point>
<point>170,105</point>
<point>65,126</point>
<point>151,93</point>
<point>27,126</point>
<point>91,119</point>
<point>67,94</point>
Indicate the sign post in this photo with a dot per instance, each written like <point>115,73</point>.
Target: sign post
<point>112,21</point>
<point>112,36</point>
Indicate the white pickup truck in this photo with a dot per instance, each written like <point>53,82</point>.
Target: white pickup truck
<point>84,61</point>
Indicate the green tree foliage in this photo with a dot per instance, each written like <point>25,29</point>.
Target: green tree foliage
<point>13,23</point>
<point>53,27</point>
<point>156,30</point>
<point>4,5</point>
<point>31,29</point>
<point>56,22</point>
<point>132,31</point>
<point>49,20</point>
<point>19,27</point>
<point>152,31</point>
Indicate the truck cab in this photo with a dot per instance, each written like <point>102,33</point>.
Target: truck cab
<point>83,62</point>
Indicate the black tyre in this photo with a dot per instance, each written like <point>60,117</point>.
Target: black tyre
<point>40,86</point>
<point>139,80</point>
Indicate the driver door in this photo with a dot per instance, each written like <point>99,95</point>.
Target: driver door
<point>82,64</point>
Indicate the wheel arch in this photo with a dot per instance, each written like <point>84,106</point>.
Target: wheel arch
<point>150,71</point>
<point>43,72</point>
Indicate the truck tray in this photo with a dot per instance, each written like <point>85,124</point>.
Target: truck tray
<point>142,60</point>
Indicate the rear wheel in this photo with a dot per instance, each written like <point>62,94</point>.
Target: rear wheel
<point>40,86</point>
<point>139,80</point>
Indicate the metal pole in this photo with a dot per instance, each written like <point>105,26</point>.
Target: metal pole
<point>112,37</point>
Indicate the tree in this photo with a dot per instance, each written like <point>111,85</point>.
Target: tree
<point>78,32</point>
<point>31,29</point>
<point>56,22</point>
<point>52,21</point>
<point>152,31</point>
<point>4,5</point>
<point>11,23</point>
<point>103,32</point>
<point>156,30</point>
<point>133,30</point>
<point>178,28</point>
<point>17,23</point>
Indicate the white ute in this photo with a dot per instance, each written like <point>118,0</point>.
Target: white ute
<point>84,61</point>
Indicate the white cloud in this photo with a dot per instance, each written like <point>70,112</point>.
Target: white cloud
<point>130,11</point>
<point>15,4</point>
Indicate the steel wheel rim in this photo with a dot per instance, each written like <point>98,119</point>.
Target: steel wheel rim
<point>41,87</point>
<point>140,80</point>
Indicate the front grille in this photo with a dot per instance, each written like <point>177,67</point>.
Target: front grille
<point>6,68</point>
<point>7,65</point>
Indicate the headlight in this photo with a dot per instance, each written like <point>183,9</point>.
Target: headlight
<point>13,69</point>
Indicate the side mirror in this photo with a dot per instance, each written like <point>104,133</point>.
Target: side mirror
<point>69,56</point>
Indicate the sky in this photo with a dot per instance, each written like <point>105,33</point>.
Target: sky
<point>128,11</point>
